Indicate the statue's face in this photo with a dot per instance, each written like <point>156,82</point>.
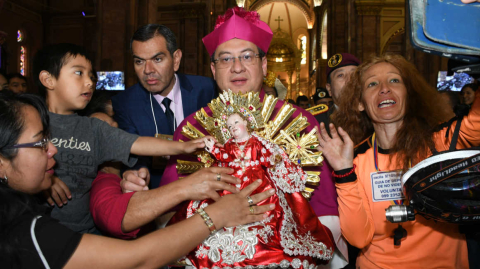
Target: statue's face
<point>237,127</point>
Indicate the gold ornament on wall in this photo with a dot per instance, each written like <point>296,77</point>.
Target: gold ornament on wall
<point>269,80</point>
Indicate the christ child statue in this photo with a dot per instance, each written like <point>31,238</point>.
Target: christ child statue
<point>291,236</point>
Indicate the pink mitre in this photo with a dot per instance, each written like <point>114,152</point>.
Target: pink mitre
<point>241,24</point>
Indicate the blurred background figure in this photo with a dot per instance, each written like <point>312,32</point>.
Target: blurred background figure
<point>468,93</point>
<point>302,101</point>
<point>101,107</point>
<point>17,83</point>
<point>269,84</point>
<point>452,98</point>
<point>322,96</point>
<point>3,81</point>
<point>273,86</point>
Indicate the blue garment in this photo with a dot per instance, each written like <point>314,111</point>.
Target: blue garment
<point>133,112</point>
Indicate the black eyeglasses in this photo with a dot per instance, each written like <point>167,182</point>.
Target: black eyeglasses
<point>40,144</point>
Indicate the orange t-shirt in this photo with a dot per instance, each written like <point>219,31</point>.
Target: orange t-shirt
<point>428,244</point>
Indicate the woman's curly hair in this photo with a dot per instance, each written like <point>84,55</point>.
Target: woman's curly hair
<point>423,111</point>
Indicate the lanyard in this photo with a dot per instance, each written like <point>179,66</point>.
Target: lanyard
<point>375,152</point>
<point>375,160</point>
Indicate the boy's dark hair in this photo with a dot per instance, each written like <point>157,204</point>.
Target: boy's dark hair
<point>302,98</point>
<point>52,58</point>
<point>15,75</point>
<point>150,31</point>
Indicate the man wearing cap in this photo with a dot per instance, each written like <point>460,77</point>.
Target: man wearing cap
<point>322,97</point>
<point>237,47</point>
<point>339,68</point>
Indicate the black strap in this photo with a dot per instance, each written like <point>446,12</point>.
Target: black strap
<point>453,143</point>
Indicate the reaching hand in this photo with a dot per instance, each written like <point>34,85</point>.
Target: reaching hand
<point>469,1</point>
<point>193,145</point>
<point>233,209</point>
<point>209,142</point>
<point>205,183</point>
<point>58,193</point>
<point>338,150</point>
<point>135,180</point>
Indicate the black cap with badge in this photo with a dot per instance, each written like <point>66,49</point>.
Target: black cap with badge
<point>321,93</point>
<point>340,60</point>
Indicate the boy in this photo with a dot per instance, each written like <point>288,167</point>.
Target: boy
<point>64,75</point>
<point>17,83</point>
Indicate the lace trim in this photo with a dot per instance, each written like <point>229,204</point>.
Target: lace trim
<point>295,244</point>
<point>236,244</point>
<point>296,177</point>
<point>247,163</point>
<point>295,263</point>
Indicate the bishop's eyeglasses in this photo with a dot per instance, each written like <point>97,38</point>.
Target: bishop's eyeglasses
<point>247,58</point>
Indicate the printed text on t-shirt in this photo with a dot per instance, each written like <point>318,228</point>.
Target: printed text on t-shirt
<point>71,143</point>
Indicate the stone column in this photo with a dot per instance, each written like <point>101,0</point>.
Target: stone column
<point>368,27</point>
<point>298,82</point>
<point>290,91</point>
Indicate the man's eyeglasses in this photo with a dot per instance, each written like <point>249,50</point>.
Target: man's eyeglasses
<point>40,144</point>
<point>247,58</point>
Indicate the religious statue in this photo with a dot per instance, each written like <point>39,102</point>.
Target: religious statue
<point>291,235</point>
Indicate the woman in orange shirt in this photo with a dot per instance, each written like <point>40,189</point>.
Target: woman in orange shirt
<point>388,102</point>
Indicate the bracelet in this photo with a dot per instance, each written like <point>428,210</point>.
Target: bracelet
<point>208,220</point>
<point>344,175</point>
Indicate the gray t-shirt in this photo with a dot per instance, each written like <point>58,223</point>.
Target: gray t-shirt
<point>83,144</point>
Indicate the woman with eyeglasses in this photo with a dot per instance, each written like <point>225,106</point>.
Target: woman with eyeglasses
<point>31,239</point>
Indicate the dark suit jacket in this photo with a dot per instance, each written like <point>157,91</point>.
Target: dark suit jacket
<point>133,111</point>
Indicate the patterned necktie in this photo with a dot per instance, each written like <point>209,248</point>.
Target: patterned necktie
<point>169,113</point>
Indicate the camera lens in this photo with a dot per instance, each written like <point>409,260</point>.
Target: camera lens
<point>399,213</point>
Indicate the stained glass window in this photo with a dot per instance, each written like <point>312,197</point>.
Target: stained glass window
<point>304,48</point>
<point>22,60</point>
<point>19,36</point>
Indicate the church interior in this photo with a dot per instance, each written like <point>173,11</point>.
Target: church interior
<point>306,34</point>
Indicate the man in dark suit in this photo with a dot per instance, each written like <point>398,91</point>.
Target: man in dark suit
<point>162,99</point>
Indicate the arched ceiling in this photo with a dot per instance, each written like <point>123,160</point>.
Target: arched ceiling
<point>291,17</point>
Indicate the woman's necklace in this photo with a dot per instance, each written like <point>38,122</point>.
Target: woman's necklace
<point>242,153</point>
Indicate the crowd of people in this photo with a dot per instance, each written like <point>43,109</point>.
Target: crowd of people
<point>89,178</point>
<point>14,82</point>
